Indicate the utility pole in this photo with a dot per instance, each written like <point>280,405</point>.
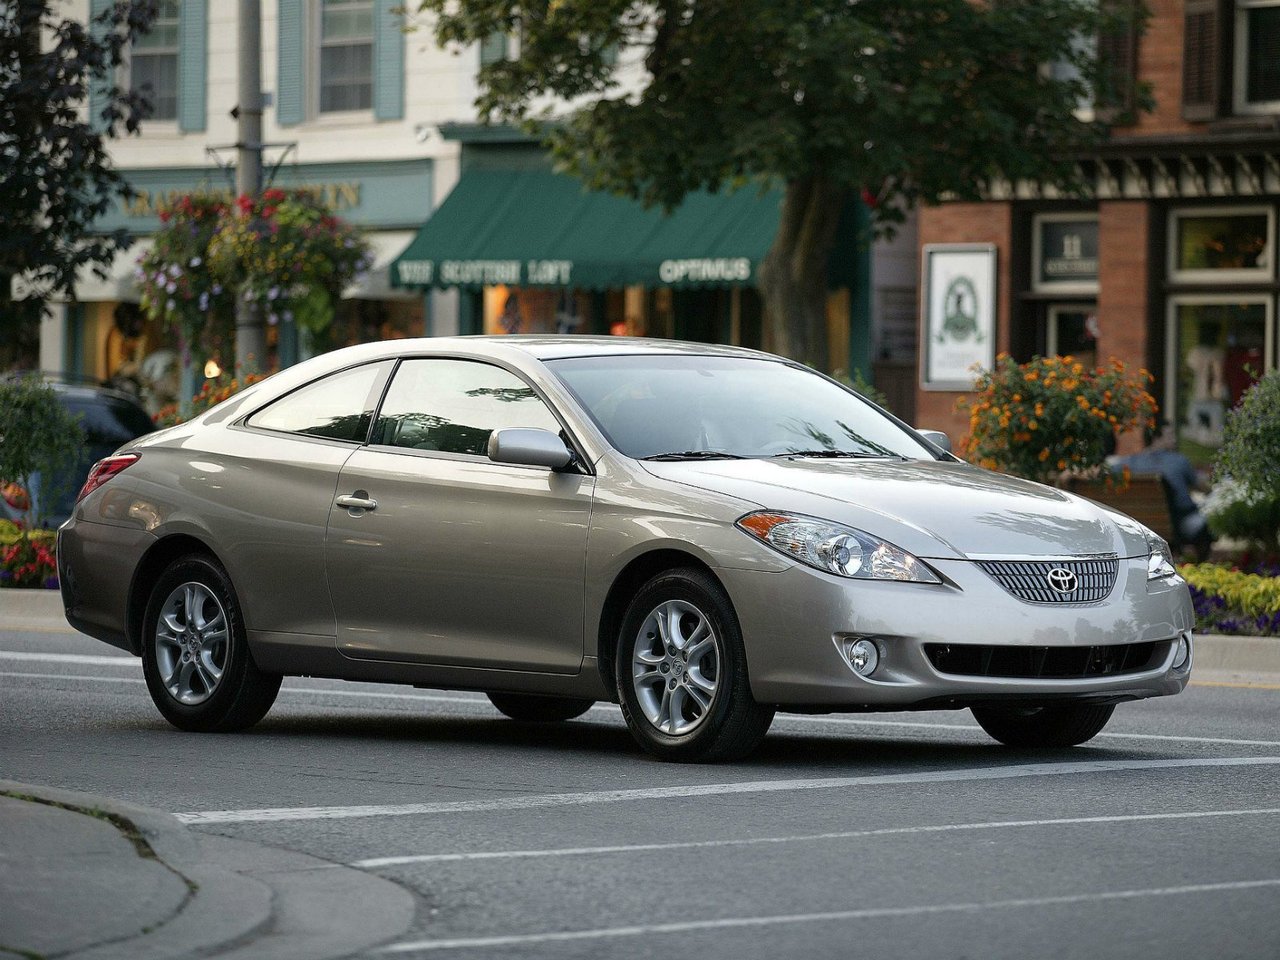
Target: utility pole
<point>251,339</point>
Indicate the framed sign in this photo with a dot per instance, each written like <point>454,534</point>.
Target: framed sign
<point>1064,253</point>
<point>959,310</point>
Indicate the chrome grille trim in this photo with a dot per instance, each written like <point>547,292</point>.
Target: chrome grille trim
<point>1028,579</point>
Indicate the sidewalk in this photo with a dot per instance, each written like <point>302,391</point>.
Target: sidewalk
<point>86,878</point>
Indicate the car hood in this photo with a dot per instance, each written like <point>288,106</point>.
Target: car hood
<point>934,509</point>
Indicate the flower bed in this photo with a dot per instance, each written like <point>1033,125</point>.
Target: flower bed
<point>1228,600</point>
<point>27,560</point>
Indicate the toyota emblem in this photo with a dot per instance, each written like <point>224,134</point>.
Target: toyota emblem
<point>1062,580</point>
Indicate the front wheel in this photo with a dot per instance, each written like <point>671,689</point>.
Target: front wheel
<point>1051,725</point>
<point>523,706</point>
<point>195,653</point>
<point>681,671</point>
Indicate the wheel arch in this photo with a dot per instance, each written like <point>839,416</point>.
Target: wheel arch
<point>153,563</point>
<point>630,579</point>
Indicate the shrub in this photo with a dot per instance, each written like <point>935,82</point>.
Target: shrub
<point>1052,416</point>
<point>1243,513</point>
<point>40,442</point>
<point>1249,456</point>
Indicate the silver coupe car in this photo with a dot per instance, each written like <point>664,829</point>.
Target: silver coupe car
<point>705,535</point>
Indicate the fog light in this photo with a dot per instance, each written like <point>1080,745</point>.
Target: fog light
<point>1182,655</point>
<point>863,656</point>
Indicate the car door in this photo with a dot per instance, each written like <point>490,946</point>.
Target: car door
<point>268,488</point>
<point>458,560</point>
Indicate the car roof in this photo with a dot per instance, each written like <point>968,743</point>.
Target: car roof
<point>548,347</point>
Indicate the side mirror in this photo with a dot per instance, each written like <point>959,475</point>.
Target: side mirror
<point>937,438</point>
<point>529,447</point>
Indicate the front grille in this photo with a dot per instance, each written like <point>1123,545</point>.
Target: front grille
<point>1045,663</point>
<point>1029,579</point>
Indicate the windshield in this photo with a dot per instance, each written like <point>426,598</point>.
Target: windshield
<point>683,407</point>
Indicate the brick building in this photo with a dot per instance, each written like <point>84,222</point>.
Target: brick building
<point>1169,265</point>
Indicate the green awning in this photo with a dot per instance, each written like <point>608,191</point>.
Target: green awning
<point>535,228</point>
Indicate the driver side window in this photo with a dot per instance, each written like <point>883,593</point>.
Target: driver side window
<point>454,405</point>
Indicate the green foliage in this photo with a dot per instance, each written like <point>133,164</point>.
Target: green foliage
<point>908,101</point>
<point>1053,415</point>
<point>1250,453</point>
<point>1242,513</point>
<point>36,436</point>
<point>54,165</point>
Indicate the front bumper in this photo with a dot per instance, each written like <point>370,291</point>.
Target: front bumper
<point>794,625</point>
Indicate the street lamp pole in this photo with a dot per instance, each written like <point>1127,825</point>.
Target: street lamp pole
<point>251,340</point>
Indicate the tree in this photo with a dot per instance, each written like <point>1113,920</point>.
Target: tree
<point>889,101</point>
<point>56,177</point>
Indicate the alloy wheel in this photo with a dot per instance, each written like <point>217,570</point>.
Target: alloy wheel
<point>675,669</point>
<point>192,643</point>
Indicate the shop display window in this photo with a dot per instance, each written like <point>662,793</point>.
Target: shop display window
<point>1224,244</point>
<point>1217,348</point>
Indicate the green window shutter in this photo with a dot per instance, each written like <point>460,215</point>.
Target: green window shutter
<point>99,87</point>
<point>291,103</point>
<point>388,61</point>
<point>193,58</point>
<point>493,48</point>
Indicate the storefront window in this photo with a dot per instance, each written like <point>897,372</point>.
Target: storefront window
<point>1219,348</point>
<point>1221,245</point>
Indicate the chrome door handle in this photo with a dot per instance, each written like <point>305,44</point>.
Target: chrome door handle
<point>356,501</point>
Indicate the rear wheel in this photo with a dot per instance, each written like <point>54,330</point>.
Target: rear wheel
<point>1051,725</point>
<point>195,654</point>
<point>681,671</point>
<point>523,706</point>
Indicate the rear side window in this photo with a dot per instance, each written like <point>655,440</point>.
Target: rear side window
<point>453,405</point>
<point>337,407</point>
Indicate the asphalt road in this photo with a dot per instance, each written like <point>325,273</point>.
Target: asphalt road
<point>891,835</point>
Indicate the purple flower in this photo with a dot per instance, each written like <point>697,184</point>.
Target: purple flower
<point>170,287</point>
<point>171,305</point>
<point>195,262</point>
<point>51,583</point>
<point>204,302</point>
<point>273,293</point>
<point>272,319</point>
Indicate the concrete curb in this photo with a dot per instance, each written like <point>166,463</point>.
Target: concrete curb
<point>249,900</point>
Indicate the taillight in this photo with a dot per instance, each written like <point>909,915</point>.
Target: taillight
<point>104,470</point>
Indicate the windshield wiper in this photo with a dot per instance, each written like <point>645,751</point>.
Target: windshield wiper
<point>832,454</point>
<point>697,455</point>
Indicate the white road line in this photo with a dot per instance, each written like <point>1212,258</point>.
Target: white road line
<point>532,801</point>
<point>728,923</point>
<point>378,862</point>
<point>611,710</point>
<point>122,660</point>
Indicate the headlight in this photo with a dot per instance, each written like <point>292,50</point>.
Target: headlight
<point>1159,557</point>
<point>835,548</point>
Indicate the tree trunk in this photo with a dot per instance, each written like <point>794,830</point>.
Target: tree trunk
<point>793,274</point>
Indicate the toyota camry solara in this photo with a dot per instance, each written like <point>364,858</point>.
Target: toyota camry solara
<point>705,535</point>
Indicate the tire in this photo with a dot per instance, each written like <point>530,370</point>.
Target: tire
<point>524,706</point>
<point>1051,725</point>
<point>202,679</point>
<point>696,705</point>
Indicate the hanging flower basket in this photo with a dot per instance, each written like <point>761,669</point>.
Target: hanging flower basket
<point>288,253</point>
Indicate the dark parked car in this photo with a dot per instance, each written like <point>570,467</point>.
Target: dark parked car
<point>110,418</point>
